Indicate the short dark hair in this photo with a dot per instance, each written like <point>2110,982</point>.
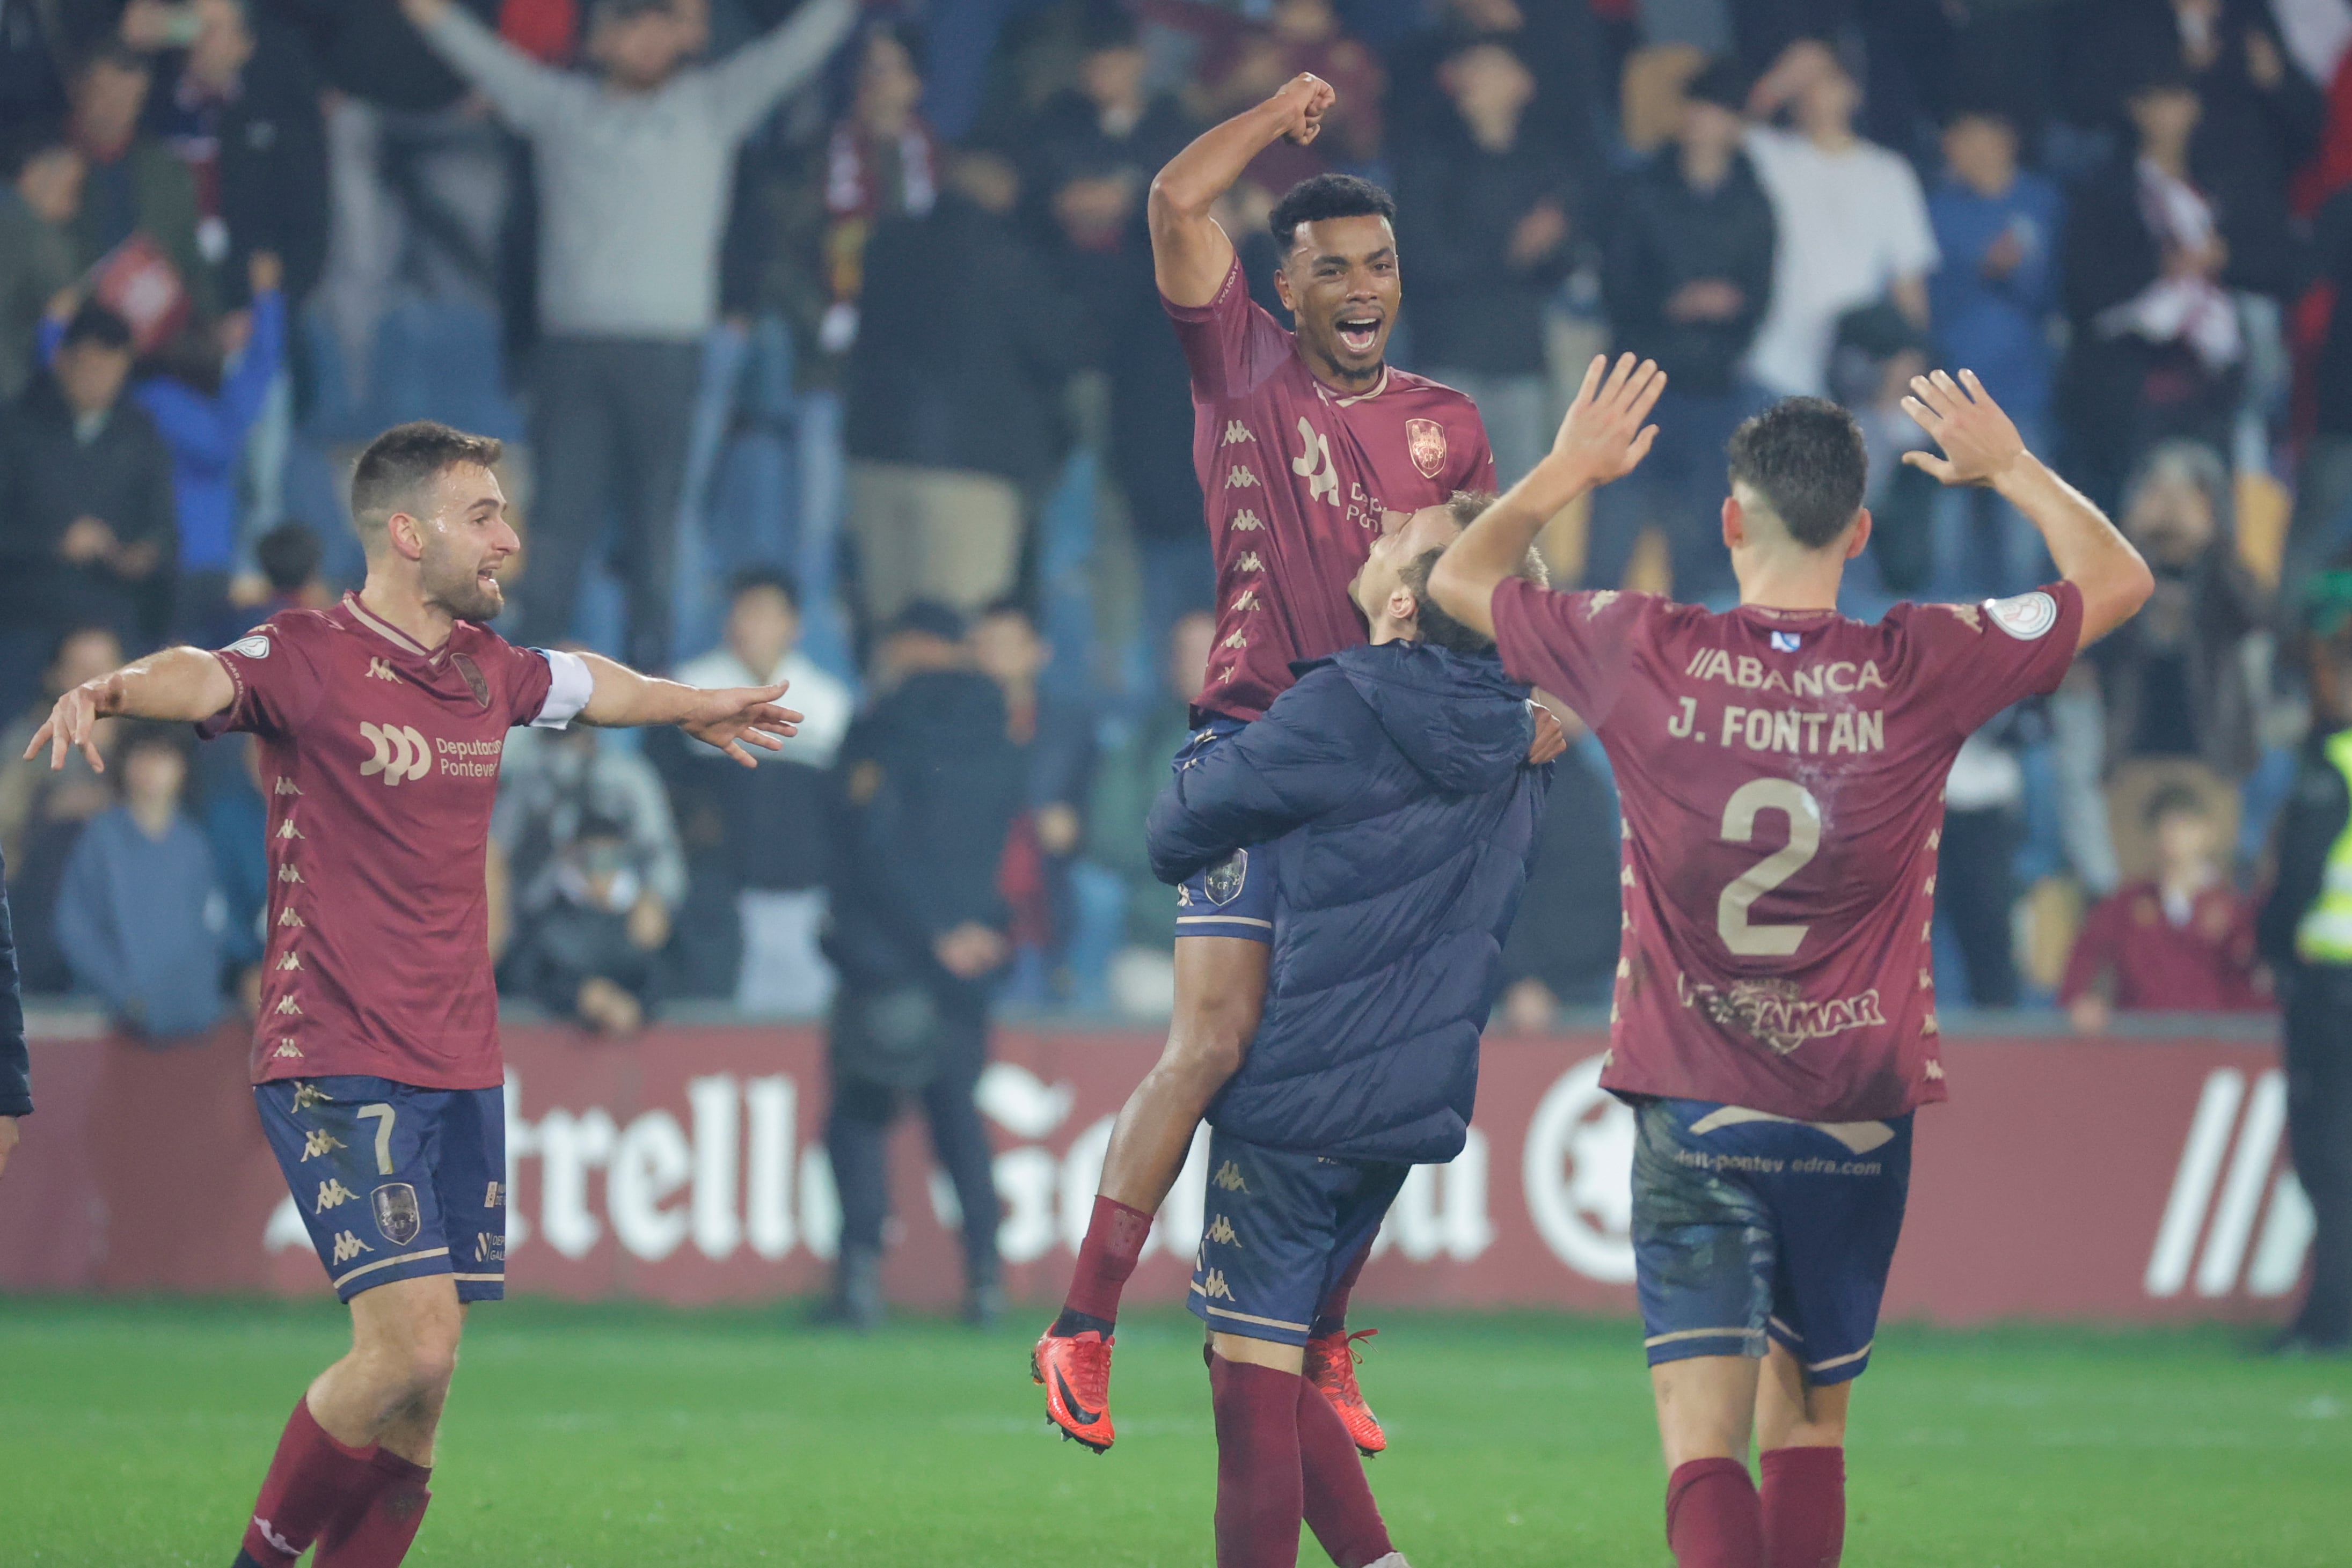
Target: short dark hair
<point>1437,628</point>
<point>1804,456</point>
<point>2174,800</point>
<point>116,53</point>
<point>140,735</point>
<point>289,555</point>
<point>21,144</point>
<point>94,323</point>
<point>1011,604</point>
<point>405,457</point>
<point>1327,196</point>
<point>755,579</point>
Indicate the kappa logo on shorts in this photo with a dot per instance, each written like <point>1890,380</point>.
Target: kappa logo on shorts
<point>333,1194</point>
<point>1221,1231</point>
<point>348,1247</point>
<point>2026,617</point>
<point>401,752</point>
<point>397,1215</point>
<point>308,1094</point>
<point>1215,1288</point>
<point>1424,442</point>
<point>1224,880</point>
<point>1229,1176</point>
<point>319,1143</point>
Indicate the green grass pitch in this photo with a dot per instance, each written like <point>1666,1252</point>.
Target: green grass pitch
<point>135,1433</point>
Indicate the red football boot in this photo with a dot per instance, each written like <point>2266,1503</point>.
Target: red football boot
<point>1331,1367</point>
<point>1075,1371</point>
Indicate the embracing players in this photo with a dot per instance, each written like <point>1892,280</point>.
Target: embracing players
<point>1782,770</point>
<point>1306,444</point>
<point>375,1053</point>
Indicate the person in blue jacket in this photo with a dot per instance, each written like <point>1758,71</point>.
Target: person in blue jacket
<point>1391,792</point>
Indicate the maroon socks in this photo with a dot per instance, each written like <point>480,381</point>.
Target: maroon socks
<point>1713,1517</point>
<point>377,1533</point>
<point>1114,1241</point>
<point>1339,1507</point>
<point>1261,1491</point>
<point>1804,1507</point>
<point>1331,1317</point>
<point>312,1481</point>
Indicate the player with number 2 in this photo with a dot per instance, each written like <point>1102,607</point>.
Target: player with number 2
<point>1781,769</point>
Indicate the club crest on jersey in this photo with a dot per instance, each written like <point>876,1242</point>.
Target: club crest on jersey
<point>397,1215</point>
<point>2025,617</point>
<point>1425,443</point>
<point>1224,880</point>
<point>463,664</point>
<point>254,647</point>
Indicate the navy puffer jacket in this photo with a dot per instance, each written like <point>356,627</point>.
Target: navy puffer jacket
<point>1388,792</point>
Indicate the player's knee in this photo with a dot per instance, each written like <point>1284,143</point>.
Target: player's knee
<point>1217,1036</point>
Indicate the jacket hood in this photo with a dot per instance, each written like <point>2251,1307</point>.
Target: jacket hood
<point>1461,722</point>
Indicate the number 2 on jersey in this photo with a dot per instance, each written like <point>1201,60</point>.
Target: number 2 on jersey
<point>1739,813</point>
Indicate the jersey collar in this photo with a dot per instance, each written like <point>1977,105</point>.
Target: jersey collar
<point>1382,386</point>
<point>399,639</point>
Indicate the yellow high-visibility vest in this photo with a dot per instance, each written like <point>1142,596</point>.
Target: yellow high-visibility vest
<point>2324,936</point>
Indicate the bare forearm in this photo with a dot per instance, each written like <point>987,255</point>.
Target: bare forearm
<point>2088,549</point>
<point>1189,253</point>
<point>179,683</point>
<point>1491,547</point>
<point>623,699</point>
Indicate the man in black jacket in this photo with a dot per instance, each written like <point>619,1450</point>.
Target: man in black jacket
<point>929,784</point>
<point>1687,274</point>
<point>88,526</point>
<point>1484,215</point>
<point>2305,933</point>
<point>16,1063</point>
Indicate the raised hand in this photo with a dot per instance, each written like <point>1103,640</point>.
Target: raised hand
<point>1303,100</point>
<point>727,719</point>
<point>1604,436</point>
<point>1980,442</point>
<point>72,723</point>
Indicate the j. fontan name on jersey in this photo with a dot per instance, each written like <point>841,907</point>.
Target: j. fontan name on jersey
<point>1814,732</point>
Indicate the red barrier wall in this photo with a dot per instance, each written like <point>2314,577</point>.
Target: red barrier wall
<point>2116,1180</point>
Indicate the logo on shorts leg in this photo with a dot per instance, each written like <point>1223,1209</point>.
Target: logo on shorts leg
<point>348,1247</point>
<point>1224,880</point>
<point>396,1216</point>
<point>1229,1176</point>
<point>489,1247</point>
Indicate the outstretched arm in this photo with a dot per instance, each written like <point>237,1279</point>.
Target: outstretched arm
<point>1981,446</point>
<point>186,685</point>
<point>1603,438</point>
<point>1190,253</point>
<point>623,699</point>
<point>745,85</point>
<point>526,92</point>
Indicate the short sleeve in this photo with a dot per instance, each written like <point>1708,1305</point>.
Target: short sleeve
<point>567,685</point>
<point>1230,344</point>
<point>1977,659</point>
<point>277,684</point>
<point>527,678</point>
<point>1577,646</point>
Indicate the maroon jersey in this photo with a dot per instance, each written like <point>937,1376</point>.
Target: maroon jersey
<point>1782,782</point>
<point>381,763</point>
<point>1297,479</point>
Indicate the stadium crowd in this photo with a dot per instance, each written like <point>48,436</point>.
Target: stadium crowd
<point>826,346</point>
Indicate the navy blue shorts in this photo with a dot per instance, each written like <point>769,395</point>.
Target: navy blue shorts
<point>1281,1229</point>
<point>395,1182</point>
<point>1233,897</point>
<point>1749,1227</point>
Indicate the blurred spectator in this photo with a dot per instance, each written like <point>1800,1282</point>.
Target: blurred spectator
<point>44,175</point>
<point>929,784</point>
<point>1301,35</point>
<point>953,397</point>
<point>203,390</point>
<point>2157,346</point>
<point>2261,117</point>
<point>83,654</point>
<point>2305,932</point>
<point>141,916</point>
<point>1558,41</point>
<point>594,862</point>
<point>1133,773</point>
<point>634,168</point>
<point>242,112</point>
<point>1563,950</point>
<point>2174,677</point>
<point>1875,353</point>
<point>1055,738</point>
<point>881,162</point>
<point>135,186</point>
<point>288,556</point>
<point>1484,213</point>
<point>2323,498</point>
<point>1999,228</point>
<point>235,816</point>
<point>754,845</point>
<point>86,531</point>
<point>15,1062</point>
<point>1851,225</point>
<point>1688,272</point>
<point>1976,878</point>
<point>2182,941</point>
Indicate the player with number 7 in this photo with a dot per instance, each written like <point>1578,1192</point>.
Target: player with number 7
<point>1781,769</point>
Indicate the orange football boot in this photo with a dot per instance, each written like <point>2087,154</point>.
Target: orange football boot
<point>1331,1367</point>
<point>1075,1371</point>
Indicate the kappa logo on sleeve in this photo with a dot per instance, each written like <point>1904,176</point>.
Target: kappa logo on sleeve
<point>2025,617</point>
<point>254,647</point>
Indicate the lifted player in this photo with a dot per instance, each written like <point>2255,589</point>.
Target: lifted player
<point>1782,771</point>
<point>375,1053</point>
<point>1390,795</point>
<point>1306,443</point>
